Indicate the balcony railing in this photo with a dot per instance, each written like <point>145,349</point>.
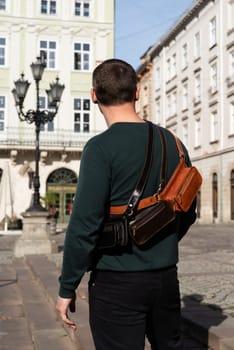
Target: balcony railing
<point>25,138</point>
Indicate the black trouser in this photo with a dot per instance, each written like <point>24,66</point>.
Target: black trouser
<point>126,306</point>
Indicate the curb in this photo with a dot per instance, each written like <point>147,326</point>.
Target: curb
<point>206,325</point>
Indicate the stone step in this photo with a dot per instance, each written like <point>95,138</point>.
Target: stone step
<point>46,273</point>
<point>208,326</point>
<point>45,330</point>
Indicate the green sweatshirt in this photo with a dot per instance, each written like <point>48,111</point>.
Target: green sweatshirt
<point>110,166</point>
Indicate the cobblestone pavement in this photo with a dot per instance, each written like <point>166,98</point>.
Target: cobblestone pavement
<point>206,266</point>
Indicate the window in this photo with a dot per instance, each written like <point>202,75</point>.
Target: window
<point>2,112</point>
<point>231,124</point>
<point>82,8</point>
<point>214,127</point>
<point>169,105</point>
<point>48,7</point>
<point>213,77</point>
<point>197,88</point>
<point>158,112</point>
<point>48,50</point>
<point>212,32</point>
<point>168,69</point>
<point>232,194</point>
<point>185,97</point>
<point>185,134</point>
<point>184,56</point>
<point>215,195</point>
<point>2,51</point>
<point>197,45</point>
<point>43,104</point>
<point>82,56</point>
<point>199,204</point>
<point>157,79</point>
<point>2,5</point>
<point>230,14</point>
<point>197,133</point>
<point>81,115</point>
<point>173,65</point>
<point>174,103</point>
<point>232,65</point>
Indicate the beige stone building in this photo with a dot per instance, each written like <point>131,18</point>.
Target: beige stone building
<point>74,36</point>
<point>187,85</point>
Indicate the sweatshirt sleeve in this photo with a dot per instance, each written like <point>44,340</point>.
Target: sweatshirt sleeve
<point>87,216</point>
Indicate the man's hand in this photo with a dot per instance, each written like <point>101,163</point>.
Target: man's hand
<point>62,306</point>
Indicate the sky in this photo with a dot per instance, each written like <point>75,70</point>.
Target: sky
<point>141,23</point>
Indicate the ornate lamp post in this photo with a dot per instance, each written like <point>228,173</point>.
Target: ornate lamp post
<point>37,116</point>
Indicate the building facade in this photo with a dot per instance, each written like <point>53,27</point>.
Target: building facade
<point>187,82</point>
<point>74,36</point>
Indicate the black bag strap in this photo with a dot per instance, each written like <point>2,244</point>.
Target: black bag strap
<point>163,168</point>
<point>136,194</point>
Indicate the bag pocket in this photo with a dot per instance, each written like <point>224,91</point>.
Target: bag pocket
<point>151,221</point>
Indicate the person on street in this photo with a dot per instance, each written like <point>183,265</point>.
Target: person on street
<point>133,290</point>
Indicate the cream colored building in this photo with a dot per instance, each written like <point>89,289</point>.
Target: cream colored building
<point>187,83</point>
<point>75,36</point>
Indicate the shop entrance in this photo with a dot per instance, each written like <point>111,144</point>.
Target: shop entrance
<point>61,188</point>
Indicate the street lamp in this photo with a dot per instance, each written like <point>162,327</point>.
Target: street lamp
<point>37,116</point>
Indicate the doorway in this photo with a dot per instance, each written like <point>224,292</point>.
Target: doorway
<point>61,188</point>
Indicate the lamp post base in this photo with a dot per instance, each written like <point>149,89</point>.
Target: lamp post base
<point>35,235</point>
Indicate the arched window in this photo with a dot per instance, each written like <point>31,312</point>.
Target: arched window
<point>215,195</point>
<point>232,194</point>
<point>62,176</point>
<point>198,204</point>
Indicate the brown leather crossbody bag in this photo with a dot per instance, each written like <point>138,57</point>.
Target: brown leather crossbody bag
<point>143,219</point>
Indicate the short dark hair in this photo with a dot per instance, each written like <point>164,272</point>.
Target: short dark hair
<point>114,82</point>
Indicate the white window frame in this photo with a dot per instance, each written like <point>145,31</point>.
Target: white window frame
<point>173,65</point>
<point>232,65</point>
<point>213,31</point>
<point>47,7</point>
<point>231,122</point>
<point>214,126</point>
<point>3,5</point>
<point>85,11</point>
<point>3,51</point>
<point>213,77</point>
<point>185,134</point>
<point>197,45</point>
<point>79,108</point>
<point>174,103</point>
<point>197,133</point>
<point>157,78</point>
<point>81,52</point>
<point>185,96</point>
<point>50,53</point>
<point>168,69</point>
<point>169,105</point>
<point>2,112</point>
<point>158,111</point>
<point>197,87</point>
<point>184,56</point>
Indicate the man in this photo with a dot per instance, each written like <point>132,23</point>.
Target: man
<point>133,291</point>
